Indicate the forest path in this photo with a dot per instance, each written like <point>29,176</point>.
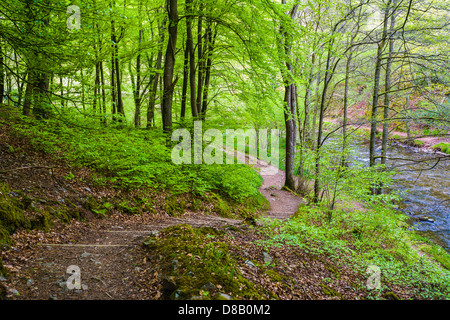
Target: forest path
<point>109,254</point>
<point>283,203</point>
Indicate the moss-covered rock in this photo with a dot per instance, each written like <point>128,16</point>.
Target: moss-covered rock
<point>205,264</point>
<point>443,147</point>
<point>42,222</point>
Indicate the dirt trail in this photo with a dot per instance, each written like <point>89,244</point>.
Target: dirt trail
<point>108,252</point>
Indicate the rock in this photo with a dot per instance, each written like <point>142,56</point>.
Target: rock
<point>85,254</point>
<point>267,258</point>
<point>426,219</point>
<point>52,297</point>
<point>150,242</point>
<point>30,282</point>
<point>222,296</point>
<point>2,278</point>
<point>168,286</point>
<point>208,286</point>
<point>14,292</point>
<point>250,264</point>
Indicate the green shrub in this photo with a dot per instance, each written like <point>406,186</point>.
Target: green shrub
<point>130,158</point>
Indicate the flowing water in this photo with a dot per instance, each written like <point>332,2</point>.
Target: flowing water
<point>427,191</point>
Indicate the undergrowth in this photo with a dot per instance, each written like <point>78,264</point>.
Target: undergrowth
<point>126,157</point>
<point>378,237</point>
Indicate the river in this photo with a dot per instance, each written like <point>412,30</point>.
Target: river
<point>427,192</point>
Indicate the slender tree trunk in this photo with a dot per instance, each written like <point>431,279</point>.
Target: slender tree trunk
<point>211,37</point>
<point>387,88</point>
<point>2,73</point>
<point>61,85</point>
<point>345,120</point>
<point>156,79</point>
<point>96,89</point>
<point>137,91</point>
<point>120,109</point>
<point>113,81</point>
<point>185,83</point>
<point>190,48</point>
<point>102,79</point>
<point>29,92</point>
<point>169,84</point>
<point>376,87</point>
<point>326,82</point>
<point>200,59</point>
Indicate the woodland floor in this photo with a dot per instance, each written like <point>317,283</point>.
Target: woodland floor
<point>108,251</point>
<point>113,262</point>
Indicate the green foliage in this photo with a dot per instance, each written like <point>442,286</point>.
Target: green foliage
<point>443,147</point>
<point>193,258</point>
<point>370,236</point>
<point>131,158</point>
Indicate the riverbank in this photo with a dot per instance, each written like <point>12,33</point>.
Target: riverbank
<point>428,144</point>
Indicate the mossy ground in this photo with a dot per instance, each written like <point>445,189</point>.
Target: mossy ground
<point>200,264</point>
<point>443,147</point>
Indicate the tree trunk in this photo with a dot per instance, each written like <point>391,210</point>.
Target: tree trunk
<point>29,92</point>
<point>190,48</point>
<point>326,82</point>
<point>169,65</point>
<point>201,61</point>
<point>2,73</point>
<point>185,83</point>
<point>387,88</point>
<point>152,100</point>
<point>211,39</point>
<point>137,91</point>
<point>289,105</point>
<point>376,87</point>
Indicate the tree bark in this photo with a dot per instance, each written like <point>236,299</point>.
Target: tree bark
<point>169,65</point>
<point>289,105</point>
<point>387,88</point>
<point>376,87</point>
<point>211,40</point>
<point>2,73</point>
<point>190,48</point>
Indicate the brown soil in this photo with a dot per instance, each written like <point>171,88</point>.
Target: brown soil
<point>109,251</point>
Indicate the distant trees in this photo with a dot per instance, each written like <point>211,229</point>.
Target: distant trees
<point>269,63</point>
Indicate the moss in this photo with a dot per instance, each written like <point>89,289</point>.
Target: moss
<point>330,291</point>
<point>418,143</point>
<point>42,222</point>
<point>278,277</point>
<point>391,296</point>
<point>330,267</point>
<point>200,259</point>
<point>11,213</point>
<point>443,147</point>
<point>221,206</point>
<point>175,206</point>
